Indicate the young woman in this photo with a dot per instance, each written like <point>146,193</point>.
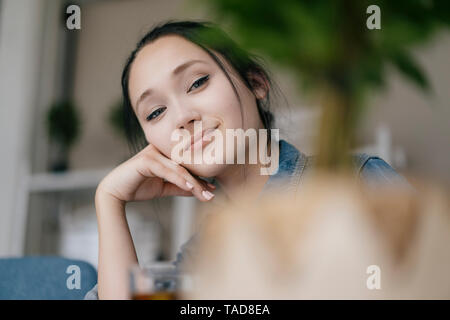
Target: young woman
<point>183,73</point>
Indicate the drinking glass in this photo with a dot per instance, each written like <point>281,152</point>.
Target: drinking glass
<point>158,281</point>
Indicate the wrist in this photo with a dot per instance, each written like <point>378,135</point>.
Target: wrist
<point>104,197</point>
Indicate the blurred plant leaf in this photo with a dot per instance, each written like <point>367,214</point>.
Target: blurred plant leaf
<point>63,123</point>
<point>116,118</point>
<point>407,66</point>
<point>328,46</point>
<point>314,37</point>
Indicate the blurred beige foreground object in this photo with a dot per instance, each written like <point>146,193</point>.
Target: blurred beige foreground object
<point>326,244</point>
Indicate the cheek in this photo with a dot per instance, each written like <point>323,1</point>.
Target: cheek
<point>220,101</point>
<point>160,139</point>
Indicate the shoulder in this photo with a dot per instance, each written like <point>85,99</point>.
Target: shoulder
<point>371,170</point>
<point>374,171</point>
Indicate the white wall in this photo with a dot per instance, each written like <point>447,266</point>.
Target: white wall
<point>20,34</point>
<point>420,124</point>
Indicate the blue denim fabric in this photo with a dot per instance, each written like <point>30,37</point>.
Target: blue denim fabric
<point>292,165</point>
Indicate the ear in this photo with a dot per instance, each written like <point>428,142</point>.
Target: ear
<point>259,83</point>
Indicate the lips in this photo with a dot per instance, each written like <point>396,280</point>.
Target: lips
<point>198,138</point>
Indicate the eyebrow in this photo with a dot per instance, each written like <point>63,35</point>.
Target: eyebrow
<point>175,72</point>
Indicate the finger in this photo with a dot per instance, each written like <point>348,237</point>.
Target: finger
<point>151,167</point>
<point>169,189</point>
<point>154,163</point>
<point>180,177</point>
<point>210,185</point>
<point>205,183</point>
<point>199,187</point>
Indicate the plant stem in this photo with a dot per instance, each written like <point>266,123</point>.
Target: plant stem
<point>336,129</point>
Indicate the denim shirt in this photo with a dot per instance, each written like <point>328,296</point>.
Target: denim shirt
<point>293,166</point>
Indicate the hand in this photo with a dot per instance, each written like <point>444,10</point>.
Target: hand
<point>149,174</point>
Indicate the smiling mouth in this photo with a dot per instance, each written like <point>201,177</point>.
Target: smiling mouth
<point>202,140</point>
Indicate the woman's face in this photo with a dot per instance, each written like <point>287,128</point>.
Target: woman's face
<point>167,97</point>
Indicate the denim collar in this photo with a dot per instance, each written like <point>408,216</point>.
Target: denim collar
<point>291,163</point>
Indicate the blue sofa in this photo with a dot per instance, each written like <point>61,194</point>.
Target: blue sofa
<point>45,278</point>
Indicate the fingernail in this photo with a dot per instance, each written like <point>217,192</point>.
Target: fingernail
<point>208,195</point>
<point>189,185</point>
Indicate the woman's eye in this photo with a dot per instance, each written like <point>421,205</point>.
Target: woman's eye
<point>156,113</point>
<point>199,82</point>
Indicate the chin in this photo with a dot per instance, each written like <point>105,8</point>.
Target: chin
<point>206,170</point>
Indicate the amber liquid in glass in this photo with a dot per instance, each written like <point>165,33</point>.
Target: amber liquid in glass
<point>156,296</point>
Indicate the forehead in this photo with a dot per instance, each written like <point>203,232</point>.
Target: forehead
<point>169,50</point>
<point>160,57</point>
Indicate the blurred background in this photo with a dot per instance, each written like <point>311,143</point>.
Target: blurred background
<point>52,162</point>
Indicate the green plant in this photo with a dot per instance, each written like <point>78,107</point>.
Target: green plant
<point>116,118</point>
<point>63,123</point>
<point>328,46</point>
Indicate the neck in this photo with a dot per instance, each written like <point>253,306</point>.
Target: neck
<point>240,180</point>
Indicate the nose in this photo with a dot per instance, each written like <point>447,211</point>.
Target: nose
<point>186,119</point>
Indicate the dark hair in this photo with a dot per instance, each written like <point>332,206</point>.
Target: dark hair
<point>209,37</point>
